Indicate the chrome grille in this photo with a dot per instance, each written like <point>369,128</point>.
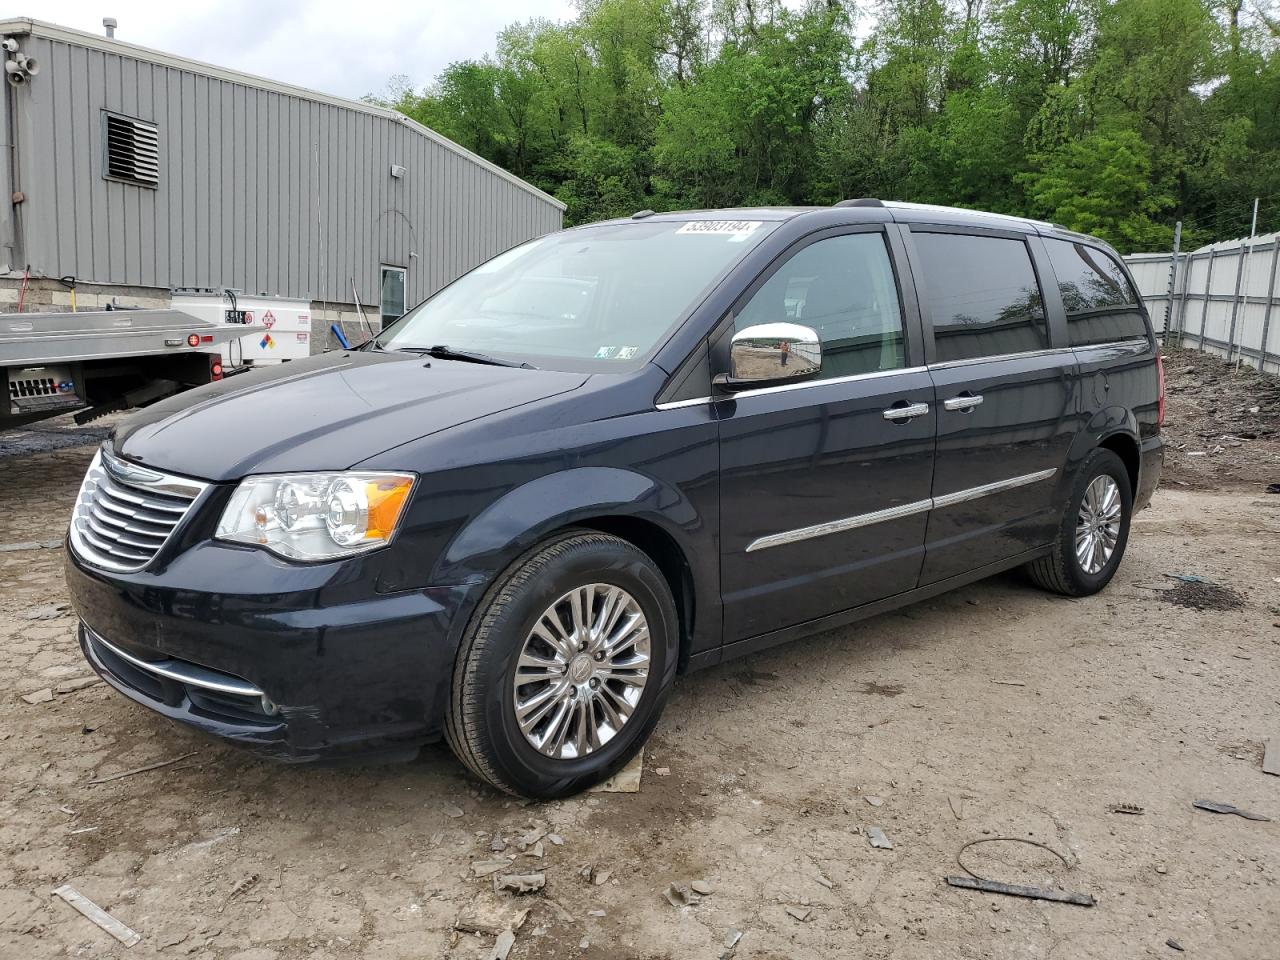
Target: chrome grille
<point>126,513</point>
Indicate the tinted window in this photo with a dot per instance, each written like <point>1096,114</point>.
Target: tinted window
<point>982,295</point>
<point>843,288</point>
<point>1101,305</point>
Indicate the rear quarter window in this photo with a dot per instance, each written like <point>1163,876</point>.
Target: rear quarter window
<point>1100,303</point>
<point>982,295</point>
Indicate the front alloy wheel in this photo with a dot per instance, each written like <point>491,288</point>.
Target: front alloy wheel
<point>565,666</point>
<point>582,671</point>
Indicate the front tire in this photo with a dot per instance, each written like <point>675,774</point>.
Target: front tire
<point>565,667</point>
<point>1094,530</point>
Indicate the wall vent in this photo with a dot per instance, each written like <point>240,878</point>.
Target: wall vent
<point>130,150</point>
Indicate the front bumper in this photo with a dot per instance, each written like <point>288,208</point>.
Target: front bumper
<point>297,662</point>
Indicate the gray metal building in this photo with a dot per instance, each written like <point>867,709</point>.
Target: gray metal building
<point>136,170</point>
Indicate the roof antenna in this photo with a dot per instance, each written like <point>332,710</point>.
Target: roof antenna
<point>109,24</point>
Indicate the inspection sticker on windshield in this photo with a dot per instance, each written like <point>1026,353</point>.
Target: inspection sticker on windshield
<point>737,229</point>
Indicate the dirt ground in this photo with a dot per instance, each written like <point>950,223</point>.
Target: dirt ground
<point>999,711</point>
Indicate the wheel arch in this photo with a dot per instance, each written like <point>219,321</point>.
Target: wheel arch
<point>653,516</point>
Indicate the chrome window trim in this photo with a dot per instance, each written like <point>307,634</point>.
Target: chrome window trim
<point>898,512</point>
<point>783,387</point>
<point>970,361</point>
<point>180,670</point>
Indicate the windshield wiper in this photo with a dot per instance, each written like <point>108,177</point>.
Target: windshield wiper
<point>445,352</point>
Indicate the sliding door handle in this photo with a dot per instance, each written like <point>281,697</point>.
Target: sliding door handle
<point>906,412</point>
<point>966,401</point>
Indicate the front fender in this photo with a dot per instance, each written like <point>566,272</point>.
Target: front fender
<point>529,513</point>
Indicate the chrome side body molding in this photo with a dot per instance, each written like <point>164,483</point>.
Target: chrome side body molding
<point>898,512</point>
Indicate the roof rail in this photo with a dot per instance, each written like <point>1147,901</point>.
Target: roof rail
<point>859,202</point>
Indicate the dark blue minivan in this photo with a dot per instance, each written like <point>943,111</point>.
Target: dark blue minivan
<point>610,455</point>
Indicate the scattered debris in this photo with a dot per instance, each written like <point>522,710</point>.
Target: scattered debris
<point>242,886</point>
<point>1175,945</point>
<point>149,766</point>
<point>1197,593</point>
<point>1019,890</point>
<point>497,844</point>
<point>39,696</point>
<point>702,887</point>
<point>79,683</point>
<point>662,771</point>
<point>874,801</point>
<point>556,839</point>
<point>451,811</point>
<point>584,943</point>
<point>601,877</point>
<point>30,545</point>
<point>800,913</point>
<point>1009,683</point>
<point>482,868</point>
<point>52,611</point>
<point>825,882</point>
<point>1130,808</point>
<point>626,780</point>
<point>520,883</point>
<point>1271,758</point>
<point>95,913</point>
<point>1273,488</point>
<point>878,839</point>
<point>1214,807</point>
<point>732,937</point>
<point>678,895</point>
<point>82,830</point>
<point>596,913</point>
<point>957,807</point>
<point>502,946</point>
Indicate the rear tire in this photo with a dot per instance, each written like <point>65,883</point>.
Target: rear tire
<point>522,652</point>
<point>1090,545</point>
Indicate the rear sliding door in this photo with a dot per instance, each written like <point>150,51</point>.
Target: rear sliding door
<point>1005,395</point>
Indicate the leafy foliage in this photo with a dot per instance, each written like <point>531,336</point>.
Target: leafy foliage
<point>1113,117</point>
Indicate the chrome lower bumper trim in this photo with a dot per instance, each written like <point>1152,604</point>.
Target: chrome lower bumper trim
<point>180,670</point>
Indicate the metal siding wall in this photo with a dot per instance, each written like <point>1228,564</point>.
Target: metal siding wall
<point>259,190</point>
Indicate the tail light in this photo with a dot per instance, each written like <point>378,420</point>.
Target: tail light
<point>215,373</point>
<point>1160,400</point>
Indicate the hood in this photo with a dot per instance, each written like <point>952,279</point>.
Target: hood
<point>327,412</point>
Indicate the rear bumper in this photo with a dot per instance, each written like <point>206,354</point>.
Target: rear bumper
<point>1151,463</point>
<point>275,657</point>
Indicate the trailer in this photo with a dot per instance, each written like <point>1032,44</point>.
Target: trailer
<point>96,362</point>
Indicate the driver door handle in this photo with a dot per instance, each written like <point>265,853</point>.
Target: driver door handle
<point>908,412</point>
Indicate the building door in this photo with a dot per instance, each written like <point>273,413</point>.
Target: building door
<point>393,293</point>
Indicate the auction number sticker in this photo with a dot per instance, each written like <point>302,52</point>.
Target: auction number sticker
<point>737,229</point>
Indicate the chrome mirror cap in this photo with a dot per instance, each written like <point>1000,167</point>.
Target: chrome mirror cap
<point>771,353</point>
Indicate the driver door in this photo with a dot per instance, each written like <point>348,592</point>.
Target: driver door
<point>824,491</point>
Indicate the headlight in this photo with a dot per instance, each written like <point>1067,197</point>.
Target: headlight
<point>316,516</point>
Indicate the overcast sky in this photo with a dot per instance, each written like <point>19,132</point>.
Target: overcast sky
<point>343,48</point>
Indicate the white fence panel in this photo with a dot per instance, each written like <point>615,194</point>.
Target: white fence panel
<point>1225,298</point>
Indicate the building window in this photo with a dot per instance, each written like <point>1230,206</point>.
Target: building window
<point>392,293</point>
<point>130,150</point>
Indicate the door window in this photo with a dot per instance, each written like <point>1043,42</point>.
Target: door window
<point>392,294</point>
<point>843,288</point>
<point>982,295</point>
<point>1100,303</point>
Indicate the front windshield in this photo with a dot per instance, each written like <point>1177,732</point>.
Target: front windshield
<point>598,297</point>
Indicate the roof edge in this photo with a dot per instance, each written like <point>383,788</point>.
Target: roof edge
<point>53,31</point>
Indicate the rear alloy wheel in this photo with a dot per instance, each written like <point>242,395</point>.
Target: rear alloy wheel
<point>565,668</point>
<point>1094,529</point>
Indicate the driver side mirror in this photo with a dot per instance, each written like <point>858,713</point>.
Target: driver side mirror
<point>769,354</point>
